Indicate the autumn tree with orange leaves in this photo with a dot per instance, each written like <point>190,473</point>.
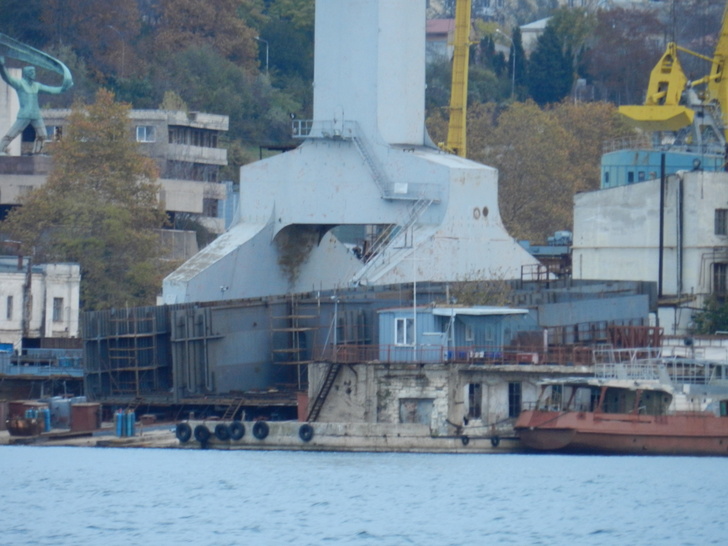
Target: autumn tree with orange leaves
<point>99,208</point>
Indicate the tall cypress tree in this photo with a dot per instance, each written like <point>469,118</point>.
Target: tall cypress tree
<point>520,61</point>
<point>550,75</point>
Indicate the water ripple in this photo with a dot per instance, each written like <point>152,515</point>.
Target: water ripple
<point>64,496</point>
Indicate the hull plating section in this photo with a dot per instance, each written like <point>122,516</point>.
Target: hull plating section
<point>676,434</point>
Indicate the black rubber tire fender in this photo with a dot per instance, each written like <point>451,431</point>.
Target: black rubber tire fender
<point>261,430</point>
<point>202,434</point>
<point>494,441</point>
<point>237,430</point>
<point>465,440</point>
<point>305,432</point>
<point>222,432</point>
<point>183,432</point>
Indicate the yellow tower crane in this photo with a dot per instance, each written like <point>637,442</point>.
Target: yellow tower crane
<point>671,98</point>
<point>457,126</point>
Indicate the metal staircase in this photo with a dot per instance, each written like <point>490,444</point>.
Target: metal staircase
<point>383,251</point>
<point>134,404</point>
<point>232,409</point>
<point>318,403</point>
<point>385,185</point>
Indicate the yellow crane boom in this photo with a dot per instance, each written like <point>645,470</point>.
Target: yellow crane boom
<point>457,126</point>
<point>664,108</point>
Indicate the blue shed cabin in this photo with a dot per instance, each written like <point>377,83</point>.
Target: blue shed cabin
<point>440,334</point>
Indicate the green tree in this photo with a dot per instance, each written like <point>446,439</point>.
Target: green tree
<point>438,79</point>
<point>208,82</point>
<point>573,26</point>
<point>521,64</point>
<point>84,87</point>
<point>550,73</point>
<point>99,208</point>
<point>712,318</point>
<point>290,50</point>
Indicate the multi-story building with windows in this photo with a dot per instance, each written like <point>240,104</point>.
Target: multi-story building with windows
<point>183,144</point>
<point>185,148</point>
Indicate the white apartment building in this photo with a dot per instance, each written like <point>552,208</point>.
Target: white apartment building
<point>38,300</point>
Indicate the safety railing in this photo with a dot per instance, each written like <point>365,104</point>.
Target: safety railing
<point>433,354</point>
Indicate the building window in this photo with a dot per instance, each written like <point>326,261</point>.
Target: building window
<point>514,399</point>
<point>404,331</point>
<point>720,278</point>
<point>630,177</point>
<point>9,309</point>
<point>721,221</point>
<point>209,207</point>
<point>55,132</point>
<point>146,133</point>
<point>57,309</point>
<point>469,334</point>
<point>475,398</point>
<point>176,135</point>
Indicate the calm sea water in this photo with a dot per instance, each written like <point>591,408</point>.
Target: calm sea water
<point>55,495</point>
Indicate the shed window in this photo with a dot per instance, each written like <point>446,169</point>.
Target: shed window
<point>404,331</point>
<point>9,310</point>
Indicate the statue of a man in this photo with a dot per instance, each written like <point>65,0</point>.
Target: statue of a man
<point>29,114</point>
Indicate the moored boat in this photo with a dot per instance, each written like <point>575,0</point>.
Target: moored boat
<point>628,413</point>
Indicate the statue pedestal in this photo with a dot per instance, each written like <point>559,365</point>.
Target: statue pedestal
<point>25,164</point>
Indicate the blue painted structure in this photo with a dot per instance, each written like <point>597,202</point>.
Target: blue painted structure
<point>440,332</point>
<point>624,167</point>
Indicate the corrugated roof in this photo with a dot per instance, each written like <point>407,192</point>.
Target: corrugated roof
<point>477,311</point>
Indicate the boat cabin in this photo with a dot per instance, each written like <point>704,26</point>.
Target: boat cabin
<point>598,396</point>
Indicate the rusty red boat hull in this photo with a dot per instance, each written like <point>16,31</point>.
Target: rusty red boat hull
<point>595,432</point>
